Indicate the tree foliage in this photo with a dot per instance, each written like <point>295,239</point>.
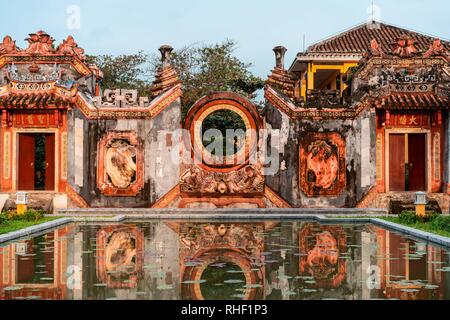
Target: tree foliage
<point>209,68</point>
<point>124,71</point>
<point>201,68</point>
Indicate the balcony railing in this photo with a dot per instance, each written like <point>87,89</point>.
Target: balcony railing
<point>324,98</point>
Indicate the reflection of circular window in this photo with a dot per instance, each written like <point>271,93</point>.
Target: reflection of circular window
<point>225,129</point>
<point>223,281</point>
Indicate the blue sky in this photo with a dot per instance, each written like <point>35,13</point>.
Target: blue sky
<point>119,27</point>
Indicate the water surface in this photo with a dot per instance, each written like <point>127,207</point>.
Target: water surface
<point>233,261</point>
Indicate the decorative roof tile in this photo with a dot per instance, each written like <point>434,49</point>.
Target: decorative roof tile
<point>406,101</point>
<point>30,100</point>
<point>358,39</point>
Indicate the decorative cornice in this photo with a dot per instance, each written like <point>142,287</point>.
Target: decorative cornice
<point>78,65</point>
<point>168,198</point>
<point>275,198</point>
<point>76,198</point>
<point>378,61</point>
<point>368,198</point>
<point>156,106</point>
<point>294,112</point>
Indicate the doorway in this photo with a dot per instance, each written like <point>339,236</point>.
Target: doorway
<point>36,162</point>
<point>407,162</point>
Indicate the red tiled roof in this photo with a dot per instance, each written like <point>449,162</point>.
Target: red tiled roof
<point>357,40</point>
<point>412,101</point>
<point>33,101</point>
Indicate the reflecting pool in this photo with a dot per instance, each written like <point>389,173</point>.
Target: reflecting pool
<point>169,260</point>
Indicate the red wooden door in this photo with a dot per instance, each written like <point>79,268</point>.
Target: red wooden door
<point>397,162</point>
<point>26,162</point>
<point>50,162</point>
<point>417,157</point>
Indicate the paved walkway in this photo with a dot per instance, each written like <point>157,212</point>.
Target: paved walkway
<point>218,212</point>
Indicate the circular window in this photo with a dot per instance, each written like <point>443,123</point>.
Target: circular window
<point>224,136</point>
<point>223,133</point>
<point>223,281</point>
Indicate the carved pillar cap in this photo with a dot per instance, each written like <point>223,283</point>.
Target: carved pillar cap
<point>280,53</point>
<point>165,50</point>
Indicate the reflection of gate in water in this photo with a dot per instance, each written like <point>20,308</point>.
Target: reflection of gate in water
<point>238,247</point>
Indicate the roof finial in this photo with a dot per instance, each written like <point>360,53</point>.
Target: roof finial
<point>165,55</point>
<point>280,53</point>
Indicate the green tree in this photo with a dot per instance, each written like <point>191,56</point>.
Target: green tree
<point>202,69</point>
<point>124,71</point>
<point>207,68</point>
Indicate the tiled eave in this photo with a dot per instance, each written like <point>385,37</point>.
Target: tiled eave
<point>329,56</point>
<point>412,101</point>
<point>52,100</point>
<point>393,101</point>
<point>34,101</point>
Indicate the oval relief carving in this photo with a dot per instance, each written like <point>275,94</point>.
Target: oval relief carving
<point>120,164</point>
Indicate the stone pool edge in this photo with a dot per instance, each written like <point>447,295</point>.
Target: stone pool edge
<point>34,229</point>
<point>430,237</point>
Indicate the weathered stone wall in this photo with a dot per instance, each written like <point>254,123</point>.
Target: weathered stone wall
<point>359,137</point>
<point>160,172</point>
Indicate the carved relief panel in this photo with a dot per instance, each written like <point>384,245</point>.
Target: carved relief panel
<point>322,164</point>
<point>321,247</point>
<point>247,180</point>
<point>120,256</point>
<point>205,247</point>
<point>120,167</point>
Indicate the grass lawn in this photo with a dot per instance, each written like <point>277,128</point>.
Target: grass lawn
<point>15,225</point>
<point>424,226</point>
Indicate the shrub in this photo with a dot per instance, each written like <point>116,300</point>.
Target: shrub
<point>33,215</point>
<point>29,215</point>
<point>3,218</point>
<point>441,223</point>
<point>410,217</point>
<point>11,215</point>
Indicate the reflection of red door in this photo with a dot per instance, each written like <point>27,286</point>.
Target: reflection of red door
<point>407,162</point>
<point>50,162</point>
<point>26,162</point>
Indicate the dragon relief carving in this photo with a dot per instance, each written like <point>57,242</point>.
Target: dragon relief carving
<point>120,259</point>
<point>246,180</point>
<point>120,254</point>
<point>40,43</point>
<point>201,237</point>
<point>8,46</point>
<point>320,247</point>
<point>322,164</point>
<point>70,47</point>
<point>120,164</point>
